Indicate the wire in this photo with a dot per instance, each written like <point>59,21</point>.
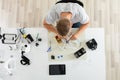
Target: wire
<point>25,60</point>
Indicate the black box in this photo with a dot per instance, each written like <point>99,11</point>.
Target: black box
<point>57,69</point>
<point>92,44</point>
<point>80,52</point>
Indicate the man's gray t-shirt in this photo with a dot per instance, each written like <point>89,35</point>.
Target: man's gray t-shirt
<point>78,13</point>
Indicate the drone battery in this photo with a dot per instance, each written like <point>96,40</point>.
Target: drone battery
<point>29,38</point>
<point>80,52</point>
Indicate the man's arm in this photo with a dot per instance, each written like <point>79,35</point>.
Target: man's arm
<point>80,30</point>
<point>49,27</point>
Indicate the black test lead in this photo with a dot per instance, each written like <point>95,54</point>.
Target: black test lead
<point>0,33</point>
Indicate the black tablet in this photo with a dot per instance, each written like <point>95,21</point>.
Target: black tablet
<point>57,69</point>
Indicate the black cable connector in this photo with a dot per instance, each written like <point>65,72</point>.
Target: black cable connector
<point>25,60</point>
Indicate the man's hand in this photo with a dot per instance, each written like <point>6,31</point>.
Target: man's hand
<point>80,30</point>
<point>74,37</point>
<point>59,36</point>
<point>49,27</point>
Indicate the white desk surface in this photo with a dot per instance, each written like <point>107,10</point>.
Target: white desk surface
<point>92,68</point>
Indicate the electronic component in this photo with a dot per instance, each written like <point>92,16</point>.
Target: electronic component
<point>57,69</point>
<point>9,38</point>
<point>28,37</point>
<point>25,47</point>
<point>68,37</point>
<point>36,44</point>
<point>37,40</point>
<point>52,57</point>
<point>58,40</point>
<point>80,52</point>
<point>60,56</point>
<point>92,44</point>
<point>25,60</point>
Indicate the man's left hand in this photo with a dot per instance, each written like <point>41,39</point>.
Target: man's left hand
<point>74,37</point>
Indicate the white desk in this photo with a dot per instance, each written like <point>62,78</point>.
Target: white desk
<point>91,68</point>
<point>37,55</point>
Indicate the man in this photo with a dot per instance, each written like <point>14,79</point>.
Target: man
<point>67,14</point>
